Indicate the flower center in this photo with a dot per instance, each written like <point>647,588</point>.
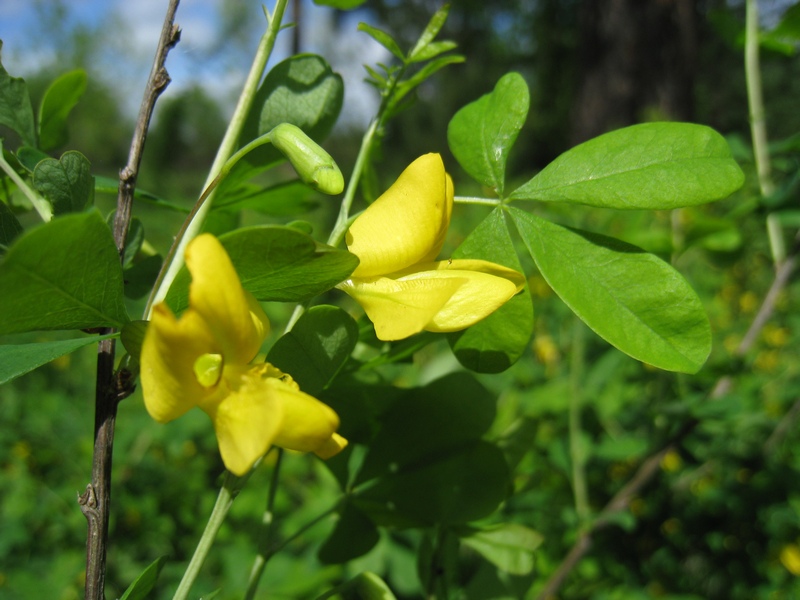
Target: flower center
<point>208,369</point>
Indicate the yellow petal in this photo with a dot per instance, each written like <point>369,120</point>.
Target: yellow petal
<point>401,308</point>
<point>308,424</point>
<point>449,195</point>
<point>331,447</point>
<point>484,287</point>
<point>234,318</point>
<point>246,420</point>
<point>169,352</point>
<point>407,224</point>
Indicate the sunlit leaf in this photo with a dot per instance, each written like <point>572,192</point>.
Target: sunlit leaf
<point>430,32</point>
<point>18,359</point>
<point>632,299</point>
<point>302,90</point>
<point>481,134</point>
<point>58,101</point>
<point>340,4</point>
<point>364,586</point>
<point>383,38</point>
<point>509,546</point>
<point>64,274</point>
<point>652,166</point>
<point>495,343</point>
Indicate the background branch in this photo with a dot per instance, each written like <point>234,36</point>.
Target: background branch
<point>111,387</point>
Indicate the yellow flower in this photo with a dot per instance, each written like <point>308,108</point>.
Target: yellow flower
<point>398,283</point>
<point>204,360</point>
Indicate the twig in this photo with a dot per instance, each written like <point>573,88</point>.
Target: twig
<point>650,467</point>
<point>111,387</point>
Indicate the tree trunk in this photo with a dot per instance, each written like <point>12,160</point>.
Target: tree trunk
<point>637,63</point>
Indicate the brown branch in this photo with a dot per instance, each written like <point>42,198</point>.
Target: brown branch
<point>111,387</point>
<point>650,467</point>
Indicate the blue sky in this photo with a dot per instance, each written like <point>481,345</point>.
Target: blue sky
<point>127,31</point>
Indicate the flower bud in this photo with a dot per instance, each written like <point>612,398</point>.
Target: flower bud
<point>314,166</point>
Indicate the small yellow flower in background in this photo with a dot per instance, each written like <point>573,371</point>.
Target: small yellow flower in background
<point>790,558</point>
<point>203,359</point>
<point>398,283</point>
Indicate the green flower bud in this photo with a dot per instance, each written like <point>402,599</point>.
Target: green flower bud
<point>314,166</point>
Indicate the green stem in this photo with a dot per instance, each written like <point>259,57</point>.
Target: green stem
<point>267,531</point>
<point>342,221</point>
<point>758,126</point>
<point>270,550</point>
<point>41,205</point>
<point>231,486</point>
<point>575,406</point>
<point>226,149</point>
<point>475,200</point>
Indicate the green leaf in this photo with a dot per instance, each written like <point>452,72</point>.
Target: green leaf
<point>353,535</point>
<point>433,50</point>
<point>404,87</point>
<point>630,298</point>
<point>384,39</point>
<point>18,359</point>
<point>142,586</point>
<point>481,134</point>
<point>107,185</point>
<point>280,200</point>
<point>340,4</point>
<point>432,29</point>
<point>364,586</point>
<point>16,111</point>
<point>67,183</point>
<point>510,546</point>
<point>141,276</point>
<point>653,166</point>
<point>64,274</point>
<point>30,157</point>
<point>9,225</point>
<point>58,101</point>
<point>316,348</point>
<point>496,342</point>
<point>277,264</point>
<point>302,90</point>
<point>428,421</point>
<point>467,483</point>
<point>427,463</point>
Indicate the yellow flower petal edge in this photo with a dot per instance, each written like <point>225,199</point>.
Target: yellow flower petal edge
<point>407,223</point>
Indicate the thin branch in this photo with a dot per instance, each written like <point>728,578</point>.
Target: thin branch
<point>648,470</point>
<point>111,387</point>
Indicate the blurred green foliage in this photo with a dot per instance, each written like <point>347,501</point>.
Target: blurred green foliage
<point>722,521</point>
